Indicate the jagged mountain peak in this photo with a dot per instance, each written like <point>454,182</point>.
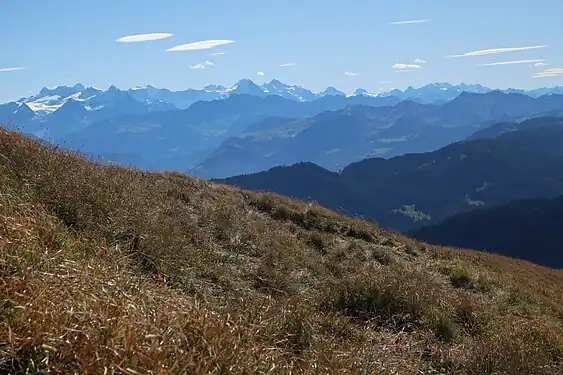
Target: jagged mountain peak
<point>330,90</point>
<point>214,88</point>
<point>362,92</point>
<point>245,82</point>
<point>246,86</point>
<point>276,82</point>
<point>63,91</point>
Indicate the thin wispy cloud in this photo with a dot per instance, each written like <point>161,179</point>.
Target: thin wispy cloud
<point>143,37</point>
<point>492,51</point>
<point>288,65</point>
<point>406,66</point>
<point>513,62</point>
<point>540,64</point>
<point>218,53</point>
<point>552,72</point>
<point>203,65</point>
<point>261,74</point>
<point>399,68</point>
<point>408,22</point>
<point>197,66</point>
<point>201,45</point>
<point>11,69</point>
<point>351,74</point>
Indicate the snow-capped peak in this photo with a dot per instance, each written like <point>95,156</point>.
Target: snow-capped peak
<point>214,88</point>
<point>294,92</point>
<point>362,92</point>
<point>137,88</point>
<point>50,100</point>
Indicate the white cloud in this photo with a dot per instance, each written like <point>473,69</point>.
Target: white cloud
<point>196,46</point>
<point>288,65</point>
<point>513,62</point>
<point>408,22</point>
<point>420,61</point>
<point>218,53</point>
<point>143,37</point>
<point>351,74</point>
<point>553,72</point>
<point>203,65</point>
<point>540,64</point>
<point>491,51</point>
<point>261,74</point>
<point>406,66</point>
<point>10,69</point>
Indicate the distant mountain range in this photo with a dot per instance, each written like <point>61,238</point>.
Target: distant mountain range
<point>218,132</point>
<point>335,139</point>
<point>415,190</point>
<point>50,99</point>
<point>181,139</point>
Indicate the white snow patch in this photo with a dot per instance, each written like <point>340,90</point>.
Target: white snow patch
<point>75,96</point>
<point>40,107</point>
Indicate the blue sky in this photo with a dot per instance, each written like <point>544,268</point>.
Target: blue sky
<point>69,41</point>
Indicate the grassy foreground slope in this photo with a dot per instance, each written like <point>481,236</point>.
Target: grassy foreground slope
<point>112,270</point>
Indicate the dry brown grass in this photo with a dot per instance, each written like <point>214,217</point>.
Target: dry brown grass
<point>113,270</point>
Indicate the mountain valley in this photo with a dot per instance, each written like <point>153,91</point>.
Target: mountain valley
<point>417,189</point>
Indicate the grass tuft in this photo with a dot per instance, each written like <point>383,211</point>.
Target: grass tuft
<point>446,329</point>
<point>460,278</point>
